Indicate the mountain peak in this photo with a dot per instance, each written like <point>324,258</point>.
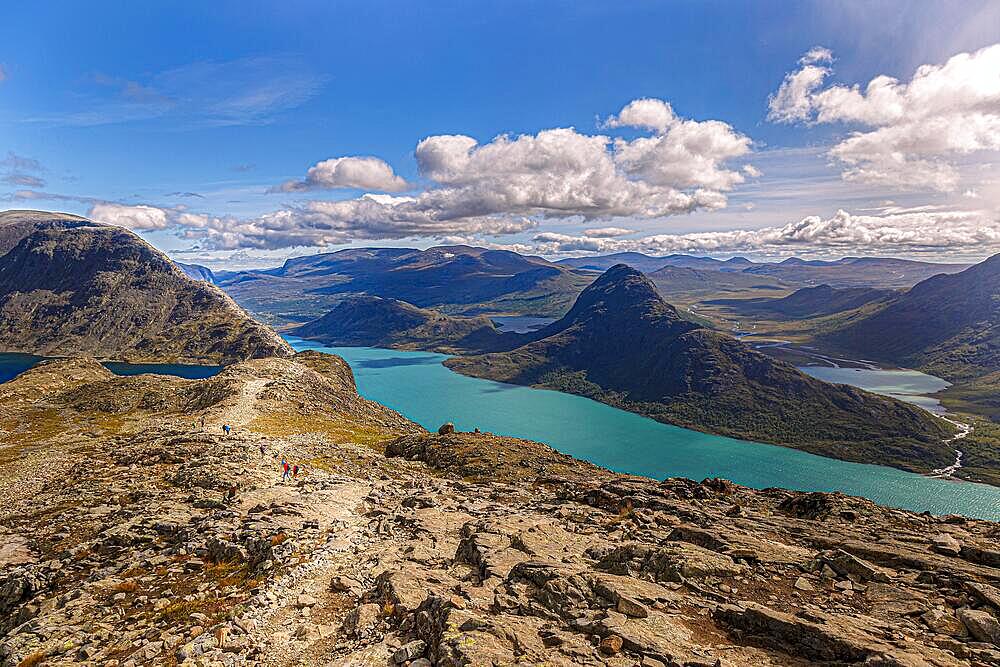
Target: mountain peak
<point>69,286</point>
<point>618,273</point>
<point>621,295</point>
<point>624,278</point>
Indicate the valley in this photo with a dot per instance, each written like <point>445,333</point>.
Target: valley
<point>138,530</point>
<point>510,334</point>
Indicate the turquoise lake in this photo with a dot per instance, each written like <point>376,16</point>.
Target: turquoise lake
<point>418,386</point>
<point>906,385</point>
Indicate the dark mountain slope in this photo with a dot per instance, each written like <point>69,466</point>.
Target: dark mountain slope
<point>681,282</point>
<point>809,302</point>
<point>948,324</point>
<point>374,321</point>
<point>621,343</point>
<point>453,279</point>
<point>882,272</point>
<point>15,225</point>
<point>71,287</point>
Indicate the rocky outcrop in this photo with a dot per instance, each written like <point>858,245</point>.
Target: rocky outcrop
<point>71,287</point>
<point>144,539</point>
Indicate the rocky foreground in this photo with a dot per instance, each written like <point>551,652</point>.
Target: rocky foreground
<point>131,535</point>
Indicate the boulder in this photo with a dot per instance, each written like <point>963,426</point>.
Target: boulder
<point>982,625</point>
<point>363,621</point>
<point>943,543</point>
<point>673,561</point>
<point>631,608</point>
<point>846,564</point>
<point>224,551</point>
<point>944,622</point>
<point>409,651</point>
<point>611,645</point>
<point>803,584</point>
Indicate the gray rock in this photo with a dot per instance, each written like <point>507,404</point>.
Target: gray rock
<point>803,584</point>
<point>944,622</point>
<point>409,651</point>
<point>632,608</point>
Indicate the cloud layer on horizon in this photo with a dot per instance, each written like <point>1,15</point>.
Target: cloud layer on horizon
<point>893,229</point>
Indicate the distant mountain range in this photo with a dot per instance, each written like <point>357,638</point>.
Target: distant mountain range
<point>69,286</point>
<point>649,263</point>
<point>464,280</point>
<point>881,272</point>
<point>197,272</point>
<point>453,279</point>
<point>621,343</point>
<point>676,282</point>
<point>847,272</point>
<point>948,325</point>
<point>378,322</point>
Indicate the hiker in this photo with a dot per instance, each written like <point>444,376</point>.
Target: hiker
<point>203,422</point>
<point>285,470</point>
<point>295,470</point>
<point>263,450</point>
<point>226,428</point>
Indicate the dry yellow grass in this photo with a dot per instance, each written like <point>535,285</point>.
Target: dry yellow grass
<point>36,426</point>
<point>335,429</point>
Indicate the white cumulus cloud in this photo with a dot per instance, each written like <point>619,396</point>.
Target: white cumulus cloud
<point>913,131</point>
<point>363,173</point>
<point>138,218</point>
<point>507,185</point>
<point>647,113</point>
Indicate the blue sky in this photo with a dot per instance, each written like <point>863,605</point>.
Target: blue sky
<point>198,113</point>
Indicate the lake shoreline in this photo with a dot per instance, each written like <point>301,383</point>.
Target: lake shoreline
<point>419,386</point>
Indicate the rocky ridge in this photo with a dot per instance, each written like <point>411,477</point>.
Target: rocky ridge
<point>134,536</point>
<point>69,286</point>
